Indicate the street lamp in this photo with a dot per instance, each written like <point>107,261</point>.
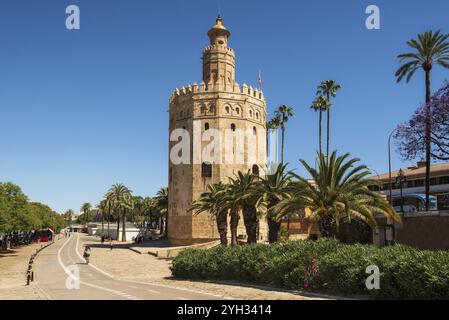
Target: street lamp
<point>401,181</point>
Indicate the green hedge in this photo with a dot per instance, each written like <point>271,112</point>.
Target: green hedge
<point>325,266</point>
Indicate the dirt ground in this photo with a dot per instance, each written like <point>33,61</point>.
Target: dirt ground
<point>123,263</point>
<point>13,268</point>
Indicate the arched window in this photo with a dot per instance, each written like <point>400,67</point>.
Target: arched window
<point>255,170</point>
<point>227,110</point>
<point>250,113</point>
<point>233,127</point>
<point>257,115</point>
<point>203,110</point>
<point>206,170</point>
<point>237,110</point>
<point>212,109</point>
<point>254,131</point>
<point>206,126</point>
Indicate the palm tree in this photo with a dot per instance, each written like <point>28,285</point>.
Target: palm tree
<point>319,105</point>
<point>328,89</point>
<point>102,209</point>
<point>212,202</point>
<point>284,113</point>
<point>339,190</point>
<point>242,187</point>
<point>68,216</point>
<point>429,49</point>
<point>271,190</point>
<point>162,206</point>
<point>85,208</point>
<point>119,196</point>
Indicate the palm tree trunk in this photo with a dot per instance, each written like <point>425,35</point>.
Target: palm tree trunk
<point>282,145</point>
<point>328,124</point>
<point>328,227</point>
<point>320,134</point>
<point>428,132</point>
<point>234,225</point>
<point>109,219</point>
<point>274,228</point>
<point>102,223</point>
<point>118,225</point>
<point>250,220</point>
<point>124,226</point>
<point>222,225</point>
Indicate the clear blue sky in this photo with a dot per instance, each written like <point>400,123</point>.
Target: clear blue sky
<point>81,110</point>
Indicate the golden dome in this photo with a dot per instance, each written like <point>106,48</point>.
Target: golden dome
<point>219,28</point>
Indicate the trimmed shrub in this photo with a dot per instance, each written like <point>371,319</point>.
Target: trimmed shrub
<point>324,265</point>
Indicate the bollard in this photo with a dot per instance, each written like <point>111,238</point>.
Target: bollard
<point>28,278</point>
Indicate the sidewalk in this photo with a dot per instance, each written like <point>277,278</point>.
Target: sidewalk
<point>13,267</point>
<point>125,264</point>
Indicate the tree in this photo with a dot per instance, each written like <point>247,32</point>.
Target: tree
<point>319,104</point>
<point>68,216</point>
<point>161,200</point>
<point>270,191</point>
<point>328,89</point>
<point>339,189</point>
<point>85,208</point>
<point>119,196</point>
<point>283,113</point>
<point>411,135</point>
<point>212,202</point>
<point>431,48</point>
<point>245,198</point>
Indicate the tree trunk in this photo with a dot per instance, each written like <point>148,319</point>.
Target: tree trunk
<point>328,227</point>
<point>320,134</point>
<point>427,134</point>
<point>109,219</point>
<point>222,225</point>
<point>102,223</point>
<point>234,225</point>
<point>274,228</point>
<point>124,226</point>
<point>118,225</point>
<point>282,144</point>
<point>250,220</point>
<point>328,124</point>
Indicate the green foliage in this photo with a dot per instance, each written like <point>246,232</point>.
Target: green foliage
<point>325,265</point>
<point>18,214</point>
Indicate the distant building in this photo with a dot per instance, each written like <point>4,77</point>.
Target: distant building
<point>414,188</point>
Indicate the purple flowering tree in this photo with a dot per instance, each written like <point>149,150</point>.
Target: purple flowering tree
<point>411,134</point>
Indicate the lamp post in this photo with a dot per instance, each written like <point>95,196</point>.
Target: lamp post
<point>389,165</point>
<point>401,180</point>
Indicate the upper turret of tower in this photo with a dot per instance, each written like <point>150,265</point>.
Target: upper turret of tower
<point>219,35</point>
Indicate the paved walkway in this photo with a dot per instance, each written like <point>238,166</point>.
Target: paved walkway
<point>62,274</point>
<point>126,264</point>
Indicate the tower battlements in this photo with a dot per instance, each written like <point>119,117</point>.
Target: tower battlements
<point>192,89</point>
<point>218,48</point>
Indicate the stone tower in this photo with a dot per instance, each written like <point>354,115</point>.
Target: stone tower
<point>218,111</point>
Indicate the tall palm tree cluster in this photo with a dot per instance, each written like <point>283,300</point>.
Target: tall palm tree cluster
<point>339,191</point>
<point>120,206</point>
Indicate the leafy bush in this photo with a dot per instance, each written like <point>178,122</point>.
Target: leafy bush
<point>323,265</point>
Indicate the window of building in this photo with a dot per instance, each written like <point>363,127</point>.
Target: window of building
<point>203,110</point>
<point>254,131</point>
<point>237,110</point>
<point>206,170</point>
<point>233,127</point>
<point>257,115</point>
<point>227,110</point>
<point>444,180</point>
<point>206,126</point>
<point>250,113</point>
